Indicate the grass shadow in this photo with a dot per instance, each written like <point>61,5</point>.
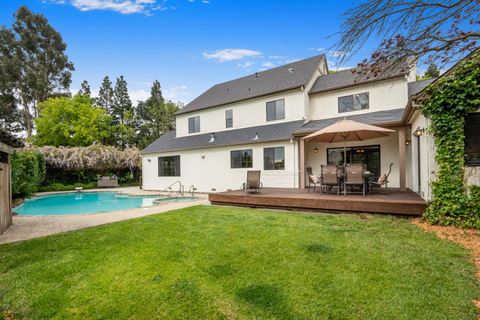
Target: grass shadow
<point>317,248</point>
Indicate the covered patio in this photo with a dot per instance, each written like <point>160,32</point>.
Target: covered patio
<point>395,202</point>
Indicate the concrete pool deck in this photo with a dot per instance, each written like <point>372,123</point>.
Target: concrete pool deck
<point>29,227</point>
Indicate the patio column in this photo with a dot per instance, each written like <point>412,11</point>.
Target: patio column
<point>401,155</point>
<point>301,162</point>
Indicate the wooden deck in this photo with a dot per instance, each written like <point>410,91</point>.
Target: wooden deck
<point>396,202</point>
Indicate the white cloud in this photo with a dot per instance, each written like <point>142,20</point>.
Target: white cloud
<point>268,64</point>
<point>120,6</point>
<point>176,93</point>
<point>317,49</point>
<point>246,65</point>
<point>231,54</point>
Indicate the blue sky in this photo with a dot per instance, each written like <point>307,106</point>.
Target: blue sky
<point>188,45</point>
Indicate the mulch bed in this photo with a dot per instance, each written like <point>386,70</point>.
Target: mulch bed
<point>469,238</point>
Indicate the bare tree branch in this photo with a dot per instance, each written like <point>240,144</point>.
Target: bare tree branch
<point>418,29</point>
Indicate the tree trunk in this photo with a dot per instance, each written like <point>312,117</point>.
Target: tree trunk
<point>27,119</point>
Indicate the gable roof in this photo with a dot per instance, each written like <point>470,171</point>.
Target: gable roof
<point>287,77</point>
<point>350,77</point>
<point>417,86</point>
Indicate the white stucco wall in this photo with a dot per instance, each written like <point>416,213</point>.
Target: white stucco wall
<point>383,95</point>
<point>428,165</point>
<point>245,113</point>
<point>388,154</point>
<point>209,169</point>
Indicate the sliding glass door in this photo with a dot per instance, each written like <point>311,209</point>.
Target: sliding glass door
<point>369,155</point>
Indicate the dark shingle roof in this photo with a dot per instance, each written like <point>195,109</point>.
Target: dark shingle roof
<point>376,118</point>
<point>348,78</point>
<point>10,140</point>
<point>417,86</point>
<point>271,132</point>
<point>290,76</point>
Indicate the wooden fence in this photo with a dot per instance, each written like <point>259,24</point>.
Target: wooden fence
<point>5,197</point>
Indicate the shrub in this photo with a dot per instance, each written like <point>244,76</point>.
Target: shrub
<point>28,172</point>
<point>57,186</point>
<point>450,99</point>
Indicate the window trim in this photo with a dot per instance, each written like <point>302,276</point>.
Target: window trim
<point>266,110</point>
<point>227,118</point>
<point>352,95</point>
<point>241,150</point>
<point>176,171</point>
<point>189,128</point>
<point>265,162</point>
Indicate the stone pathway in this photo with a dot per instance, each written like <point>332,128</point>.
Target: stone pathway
<point>29,227</point>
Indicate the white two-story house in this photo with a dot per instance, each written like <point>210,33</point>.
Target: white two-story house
<point>257,123</point>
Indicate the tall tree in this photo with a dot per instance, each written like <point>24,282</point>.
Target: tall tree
<point>105,95</point>
<point>10,117</point>
<point>121,103</point>
<point>155,115</point>
<point>123,115</point>
<point>42,68</point>
<point>71,122</point>
<point>428,30</point>
<point>432,71</point>
<point>84,89</point>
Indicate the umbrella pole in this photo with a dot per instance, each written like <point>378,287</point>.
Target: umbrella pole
<point>344,153</point>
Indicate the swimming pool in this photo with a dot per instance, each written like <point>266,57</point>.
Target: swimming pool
<point>86,202</point>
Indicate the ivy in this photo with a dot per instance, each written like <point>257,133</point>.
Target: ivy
<point>450,99</point>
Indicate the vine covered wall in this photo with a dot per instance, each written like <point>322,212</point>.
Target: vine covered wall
<point>449,101</point>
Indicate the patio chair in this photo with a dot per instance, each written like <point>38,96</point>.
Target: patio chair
<point>381,181</point>
<point>253,183</point>
<point>313,180</point>
<point>107,182</point>
<point>329,178</point>
<point>354,176</point>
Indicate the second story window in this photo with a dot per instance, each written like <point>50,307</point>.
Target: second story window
<point>276,110</point>
<point>194,124</point>
<point>353,102</point>
<point>229,118</point>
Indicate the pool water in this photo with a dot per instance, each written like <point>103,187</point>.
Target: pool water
<point>82,202</point>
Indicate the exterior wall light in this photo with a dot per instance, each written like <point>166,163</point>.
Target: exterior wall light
<point>418,132</point>
<point>315,150</point>
<point>407,142</point>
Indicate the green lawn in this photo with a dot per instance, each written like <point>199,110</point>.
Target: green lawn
<point>211,262</point>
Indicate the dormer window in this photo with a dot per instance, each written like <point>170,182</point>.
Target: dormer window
<point>194,124</point>
<point>353,102</point>
<point>276,110</point>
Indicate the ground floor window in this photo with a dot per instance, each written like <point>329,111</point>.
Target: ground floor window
<point>472,139</point>
<point>241,158</point>
<point>169,166</point>
<point>274,158</point>
<point>369,155</point>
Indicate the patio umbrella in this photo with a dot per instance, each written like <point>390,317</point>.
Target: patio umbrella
<point>348,130</point>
